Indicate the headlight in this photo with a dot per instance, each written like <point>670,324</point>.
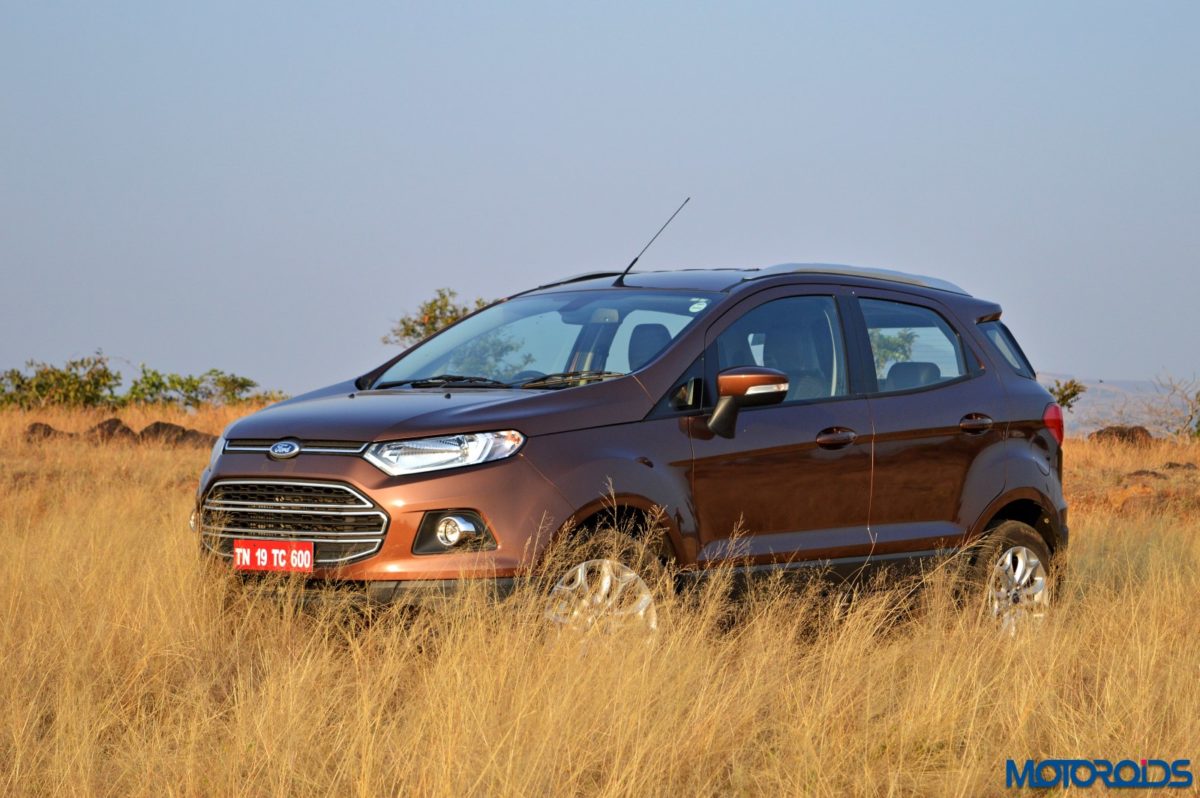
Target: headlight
<point>449,451</point>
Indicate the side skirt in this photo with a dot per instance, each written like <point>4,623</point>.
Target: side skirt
<point>842,570</point>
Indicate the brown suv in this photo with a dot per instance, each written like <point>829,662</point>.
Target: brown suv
<point>837,416</point>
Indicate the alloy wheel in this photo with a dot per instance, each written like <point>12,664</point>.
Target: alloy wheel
<point>1017,591</point>
<point>602,594</point>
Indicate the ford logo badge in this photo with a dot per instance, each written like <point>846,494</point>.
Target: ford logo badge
<point>284,449</point>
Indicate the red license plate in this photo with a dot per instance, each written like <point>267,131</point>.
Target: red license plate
<point>273,555</point>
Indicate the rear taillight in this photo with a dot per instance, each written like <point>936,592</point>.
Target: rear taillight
<point>1052,417</point>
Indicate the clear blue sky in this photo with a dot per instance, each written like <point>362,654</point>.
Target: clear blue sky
<point>263,188</point>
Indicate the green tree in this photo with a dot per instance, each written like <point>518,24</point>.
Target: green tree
<point>1067,393</point>
<point>896,348</point>
<point>488,355</point>
<point>431,316</point>
<point>229,389</point>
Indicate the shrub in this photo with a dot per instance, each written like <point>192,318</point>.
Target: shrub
<point>86,382</point>
<point>90,382</point>
<point>212,387</point>
<point>1067,393</point>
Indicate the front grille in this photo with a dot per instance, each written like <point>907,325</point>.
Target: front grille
<point>343,524</point>
<point>309,446</point>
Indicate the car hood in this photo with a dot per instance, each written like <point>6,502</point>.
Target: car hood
<point>343,413</point>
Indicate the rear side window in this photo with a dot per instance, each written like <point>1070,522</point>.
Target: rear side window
<point>1004,343</point>
<point>913,346</point>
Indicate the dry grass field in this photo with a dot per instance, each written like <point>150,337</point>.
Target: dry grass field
<point>127,667</point>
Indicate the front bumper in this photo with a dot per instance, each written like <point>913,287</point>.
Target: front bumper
<point>519,506</point>
<point>419,592</point>
<point>414,593</point>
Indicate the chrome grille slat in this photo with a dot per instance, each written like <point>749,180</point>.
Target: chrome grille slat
<point>293,529</point>
<point>257,534</point>
<point>313,510</point>
<point>289,532</point>
<point>253,491</point>
<point>306,446</point>
<point>343,524</point>
<point>236,505</point>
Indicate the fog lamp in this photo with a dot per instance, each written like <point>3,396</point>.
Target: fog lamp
<point>454,529</point>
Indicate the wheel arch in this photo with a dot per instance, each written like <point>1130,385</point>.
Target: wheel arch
<point>1027,506</point>
<point>632,511</point>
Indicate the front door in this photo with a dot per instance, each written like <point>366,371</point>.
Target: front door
<point>794,481</point>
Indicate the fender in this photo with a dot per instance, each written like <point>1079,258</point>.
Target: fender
<point>1021,494</point>
<point>618,467</point>
<point>670,523</point>
<point>980,488</point>
<point>1030,464</point>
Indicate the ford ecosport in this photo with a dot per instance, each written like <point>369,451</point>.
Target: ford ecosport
<point>837,416</point>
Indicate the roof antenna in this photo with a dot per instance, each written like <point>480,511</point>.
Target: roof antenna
<point>621,280</point>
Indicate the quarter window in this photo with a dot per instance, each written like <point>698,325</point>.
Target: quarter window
<point>913,346</point>
<point>800,336</point>
<point>1007,346</point>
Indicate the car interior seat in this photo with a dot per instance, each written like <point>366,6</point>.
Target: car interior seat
<point>790,349</point>
<point>646,341</point>
<point>733,350</point>
<point>913,374</point>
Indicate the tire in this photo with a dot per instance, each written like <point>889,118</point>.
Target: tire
<point>1010,576</point>
<point>638,541</point>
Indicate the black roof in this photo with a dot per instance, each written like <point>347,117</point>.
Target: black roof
<point>729,279</point>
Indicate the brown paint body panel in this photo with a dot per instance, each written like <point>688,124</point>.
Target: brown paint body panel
<point>782,491</point>
<point>928,471</point>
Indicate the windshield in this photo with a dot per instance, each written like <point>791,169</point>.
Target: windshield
<point>552,340</point>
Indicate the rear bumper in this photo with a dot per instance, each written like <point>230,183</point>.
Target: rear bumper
<point>1064,529</point>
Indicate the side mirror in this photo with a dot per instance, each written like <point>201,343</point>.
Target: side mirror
<point>745,386</point>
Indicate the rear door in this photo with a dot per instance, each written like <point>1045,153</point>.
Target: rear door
<point>795,478</point>
<point>938,416</point>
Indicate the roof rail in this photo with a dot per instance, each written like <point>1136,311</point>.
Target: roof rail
<point>858,271</point>
<point>578,277</point>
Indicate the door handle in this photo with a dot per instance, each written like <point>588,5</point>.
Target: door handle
<point>975,423</point>
<point>836,437</point>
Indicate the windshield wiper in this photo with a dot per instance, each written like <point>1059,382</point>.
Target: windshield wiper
<point>564,378</point>
<point>458,380</point>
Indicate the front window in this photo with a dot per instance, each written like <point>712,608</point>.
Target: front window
<point>553,340</point>
<point>800,336</point>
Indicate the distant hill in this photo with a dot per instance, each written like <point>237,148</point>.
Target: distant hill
<point>1106,402</point>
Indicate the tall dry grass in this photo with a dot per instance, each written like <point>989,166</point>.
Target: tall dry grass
<point>129,668</point>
